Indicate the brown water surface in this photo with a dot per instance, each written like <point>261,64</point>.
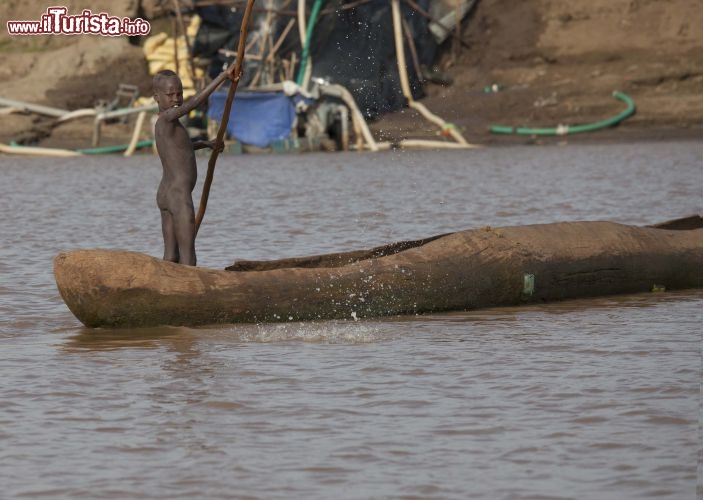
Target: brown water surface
<point>582,399</point>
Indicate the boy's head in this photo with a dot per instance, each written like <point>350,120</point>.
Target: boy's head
<point>168,89</point>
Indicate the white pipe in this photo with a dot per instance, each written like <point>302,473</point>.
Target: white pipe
<point>357,117</point>
<point>35,108</point>
<point>36,151</point>
<point>125,111</point>
<point>301,21</point>
<point>421,144</point>
<point>405,83</point>
<point>79,113</point>
<point>400,50</point>
<point>135,134</point>
<point>429,144</point>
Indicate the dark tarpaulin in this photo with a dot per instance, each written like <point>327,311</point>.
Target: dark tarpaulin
<point>359,53</point>
<point>219,29</point>
<point>352,47</point>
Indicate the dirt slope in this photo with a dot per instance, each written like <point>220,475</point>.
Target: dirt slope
<point>559,62</point>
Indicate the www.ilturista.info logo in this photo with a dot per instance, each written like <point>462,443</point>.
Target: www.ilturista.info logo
<point>56,21</point>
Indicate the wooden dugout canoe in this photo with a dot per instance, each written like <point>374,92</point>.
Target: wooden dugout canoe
<point>458,271</point>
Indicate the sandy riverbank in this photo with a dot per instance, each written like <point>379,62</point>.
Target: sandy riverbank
<point>554,62</point>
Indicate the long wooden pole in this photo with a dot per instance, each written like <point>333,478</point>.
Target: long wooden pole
<point>225,115</point>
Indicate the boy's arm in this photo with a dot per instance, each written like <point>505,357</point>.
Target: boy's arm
<point>199,98</point>
<point>209,144</point>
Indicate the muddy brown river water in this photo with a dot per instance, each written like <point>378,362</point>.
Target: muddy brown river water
<point>574,400</point>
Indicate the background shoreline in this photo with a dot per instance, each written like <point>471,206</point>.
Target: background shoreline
<point>552,63</point>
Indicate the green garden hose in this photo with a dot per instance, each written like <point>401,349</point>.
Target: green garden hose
<point>113,149</point>
<point>573,129</point>
<point>308,39</point>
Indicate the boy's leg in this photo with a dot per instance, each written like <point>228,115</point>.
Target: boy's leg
<point>170,241</point>
<point>184,224</point>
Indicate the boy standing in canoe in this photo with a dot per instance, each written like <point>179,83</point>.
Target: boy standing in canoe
<point>176,150</point>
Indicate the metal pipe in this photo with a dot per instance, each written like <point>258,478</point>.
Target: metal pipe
<point>35,108</point>
<point>106,115</point>
<point>126,111</point>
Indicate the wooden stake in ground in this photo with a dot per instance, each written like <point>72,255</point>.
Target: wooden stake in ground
<point>239,61</point>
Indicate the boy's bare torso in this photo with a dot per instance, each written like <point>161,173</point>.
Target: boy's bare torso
<point>178,161</point>
<point>175,150</point>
